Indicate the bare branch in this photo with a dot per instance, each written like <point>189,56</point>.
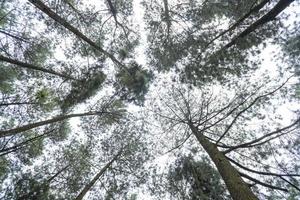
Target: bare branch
<point>260,172</point>
<point>252,143</point>
<point>262,183</point>
<point>249,106</point>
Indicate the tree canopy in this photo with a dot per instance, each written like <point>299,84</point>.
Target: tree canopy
<point>118,99</point>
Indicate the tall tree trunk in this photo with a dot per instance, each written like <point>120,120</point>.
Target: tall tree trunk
<point>58,173</point>
<point>167,17</point>
<point>44,8</point>
<point>14,36</point>
<point>27,127</point>
<point>18,103</point>
<point>239,21</point>
<point>32,194</point>
<point>271,15</point>
<point>97,176</point>
<point>34,67</point>
<point>236,186</point>
<point>16,147</point>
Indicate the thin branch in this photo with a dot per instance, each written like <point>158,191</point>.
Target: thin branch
<point>262,183</point>
<point>249,106</point>
<point>271,15</point>
<point>252,143</point>
<point>239,21</point>
<point>45,9</point>
<point>260,172</point>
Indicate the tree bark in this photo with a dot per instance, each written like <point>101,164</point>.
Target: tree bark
<point>45,9</point>
<point>236,186</point>
<point>16,147</point>
<point>276,10</point>
<point>87,188</point>
<point>27,127</point>
<point>239,21</point>
<point>167,17</point>
<point>34,67</point>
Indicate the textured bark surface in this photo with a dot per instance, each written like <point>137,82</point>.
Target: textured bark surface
<point>236,186</point>
<point>27,127</point>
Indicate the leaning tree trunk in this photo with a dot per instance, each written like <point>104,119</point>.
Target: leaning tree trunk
<point>271,15</point>
<point>88,187</point>
<point>236,186</point>
<point>47,10</point>
<point>27,127</point>
<point>39,189</point>
<point>34,67</point>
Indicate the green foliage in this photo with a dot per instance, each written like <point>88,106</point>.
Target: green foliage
<point>77,156</point>
<point>61,133</point>
<point>135,81</point>
<point>3,14</point>
<point>29,188</point>
<point>201,179</point>
<point>117,112</point>
<point>291,49</point>
<point>34,149</point>
<point>7,76</point>
<point>127,50</point>
<point>31,150</point>
<point>82,90</point>
<point>3,168</point>
<point>133,197</point>
<point>292,46</point>
<point>46,99</point>
<point>42,95</point>
<point>186,43</point>
<point>38,52</point>
<point>95,41</point>
<point>298,91</point>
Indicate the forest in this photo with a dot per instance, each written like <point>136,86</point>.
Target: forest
<point>149,99</point>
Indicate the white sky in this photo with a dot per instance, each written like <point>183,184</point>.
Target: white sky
<point>268,65</point>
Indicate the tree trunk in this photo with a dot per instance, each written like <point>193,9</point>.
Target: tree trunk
<point>239,21</point>
<point>276,10</point>
<point>236,186</point>
<point>167,17</point>
<point>35,191</point>
<point>40,5</point>
<point>33,67</point>
<point>57,173</point>
<point>93,181</point>
<point>27,127</point>
<point>16,147</point>
<point>18,103</point>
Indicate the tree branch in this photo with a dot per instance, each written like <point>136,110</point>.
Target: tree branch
<point>262,183</point>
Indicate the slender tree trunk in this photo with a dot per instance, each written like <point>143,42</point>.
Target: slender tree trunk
<point>18,103</point>
<point>236,186</point>
<point>31,195</point>
<point>20,145</point>
<point>97,176</point>
<point>276,10</point>
<point>27,127</point>
<point>57,173</point>
<point>167,16</point>
<point>239,21</point>
<point>14,36</point>
<point>44,8</point>
<point>34,67</point>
